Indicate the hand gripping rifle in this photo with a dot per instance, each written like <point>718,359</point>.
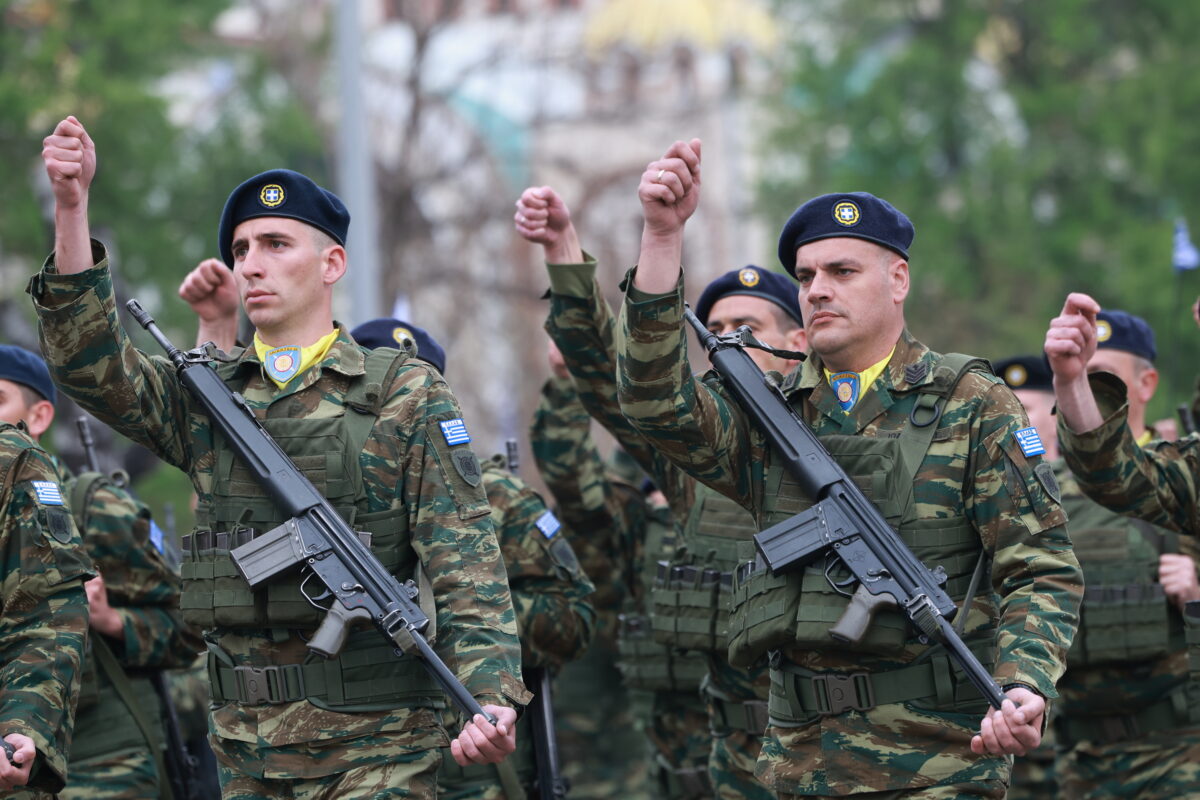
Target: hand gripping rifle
<point>180,765</point>
<point>841,519</point>
<point>358,587</point>
<point>551,784</point>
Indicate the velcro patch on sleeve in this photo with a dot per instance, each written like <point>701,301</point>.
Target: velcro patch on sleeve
<point>548,524</point>
<point>455,431</point>
<point>1030,443</point>
<point>48,493</point>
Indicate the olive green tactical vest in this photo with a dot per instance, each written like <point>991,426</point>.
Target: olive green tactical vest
<point>691,591</point>
<point>328,451</point>
<point>796,610</point>
<point>103,723</point>
<point>644,663</point>
<point>1126,616</point>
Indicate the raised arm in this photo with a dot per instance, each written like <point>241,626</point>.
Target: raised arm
<point>210,291</point>
<point>70,158</point>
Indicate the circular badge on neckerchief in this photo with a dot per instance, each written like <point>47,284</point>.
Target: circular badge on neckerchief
<point>283,363</point>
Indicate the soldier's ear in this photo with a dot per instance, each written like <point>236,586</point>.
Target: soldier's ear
<point>333,264</point>
<point>38,417</point>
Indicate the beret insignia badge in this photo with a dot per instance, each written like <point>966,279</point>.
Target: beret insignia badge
<point>748,277</point>
<point>1103,330</point>
<point>1016,375</point>
<point>846,213</point>
<point>271,195</point>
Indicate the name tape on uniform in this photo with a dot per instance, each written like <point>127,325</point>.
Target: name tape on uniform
<point>548,524</point>
<point>455,431</point>
<point>1031,443</point>
<point>48,493</point>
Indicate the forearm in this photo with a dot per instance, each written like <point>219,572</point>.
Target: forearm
<point>658,261</point>
<point>72,238</point>
<point>222,332</point>
<point>157,638</point>
<point>1076,404</point>
<point>555,626</point>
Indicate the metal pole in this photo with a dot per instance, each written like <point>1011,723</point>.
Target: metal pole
<point>356,174</point>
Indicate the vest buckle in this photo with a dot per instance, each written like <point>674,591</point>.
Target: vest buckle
<point>257,686</point>
<point>837,692</point>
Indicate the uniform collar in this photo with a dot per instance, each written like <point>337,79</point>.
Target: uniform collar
<point>345,356</point>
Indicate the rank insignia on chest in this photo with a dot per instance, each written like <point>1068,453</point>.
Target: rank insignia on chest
<point>1030,442</point>
<point>548,524</point>
<point>845,388</point>
<point>455,431</point>
<point>48,493</point>
<point>283,363</point>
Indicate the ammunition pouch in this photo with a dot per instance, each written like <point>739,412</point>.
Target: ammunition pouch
<point>691,606</point>
<point>799,695</point>
<point>1122,624</point>
<point>366,676</point>
<point>647,665</point>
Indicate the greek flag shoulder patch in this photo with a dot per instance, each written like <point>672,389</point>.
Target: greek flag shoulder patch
<point>548,524</point>
<point>48,493</point>
<point>455,431</point>
<point>1030,442</point>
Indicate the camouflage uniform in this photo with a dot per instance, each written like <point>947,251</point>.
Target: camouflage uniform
<point>581,324</point>
<point>365,721</point>
<point>593,701</point>
<point>555,620</point>
<point>1154,752</point>
<point>904,718</point>
<point>43,607</point>
<point>110,757</point>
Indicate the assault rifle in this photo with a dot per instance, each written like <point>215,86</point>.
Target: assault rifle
<point>841,520</point>
<point>551,784</point>
<point>357,587</point>
<point>181,766</point>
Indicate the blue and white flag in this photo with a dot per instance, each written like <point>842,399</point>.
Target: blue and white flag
<point>1185,256</point>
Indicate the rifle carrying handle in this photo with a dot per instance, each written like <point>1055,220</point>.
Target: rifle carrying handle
<point>858,615</point>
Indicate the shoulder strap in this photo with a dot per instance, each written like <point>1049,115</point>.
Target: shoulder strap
<point>111,668</point>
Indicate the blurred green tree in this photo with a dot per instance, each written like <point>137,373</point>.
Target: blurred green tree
<point>1039,148</point>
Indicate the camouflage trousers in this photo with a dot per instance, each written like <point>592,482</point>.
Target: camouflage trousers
<point>1165,764</point>
<point>991,789</point>
<point>594,716</point>
<point>1033,774</point>
<point>678,733</point>
<point>407,775</point>
<point>130,775</point>
<point>731,766</point>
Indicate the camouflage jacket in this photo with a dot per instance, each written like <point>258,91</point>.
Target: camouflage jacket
<point>1159,483</point>
<point>974,470</point>
<point>549,589</point>
<point>607,515</point>
<point>141,586</point>
<point>43,608</point>
<point>406,465</point>
<point>582,325</point>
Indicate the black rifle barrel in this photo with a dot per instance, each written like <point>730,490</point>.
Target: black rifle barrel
<point>918,590</point>
<point>347,567</point>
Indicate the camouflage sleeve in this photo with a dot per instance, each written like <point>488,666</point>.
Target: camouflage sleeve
<point>1013,502</point>
<point>689,421</point>
<point>440,485</point>
<point>92,359</point>
<point>583,327</point>
<point>44,618</point>
<point>555,619</point>
<point>1158,485</point>
<point>142,588</point>
<point>601,525</point>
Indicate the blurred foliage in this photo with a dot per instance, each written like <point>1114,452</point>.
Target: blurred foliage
<point>1039,148</point>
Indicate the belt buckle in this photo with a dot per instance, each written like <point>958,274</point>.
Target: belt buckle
<point>841,692</point>
<point>254,685</point>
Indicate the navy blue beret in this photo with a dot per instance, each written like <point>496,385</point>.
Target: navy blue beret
<point>855,214</point>
<point>21,366</point>
<point>751,281</point>
<point>1120,330</point>
<point>385,332</point>
<point>1026,372</point>
<point>282,193</point>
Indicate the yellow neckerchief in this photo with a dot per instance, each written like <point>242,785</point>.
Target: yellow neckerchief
<point>867,377</point>
<point>1145,438</point>
<point>308,355</point>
